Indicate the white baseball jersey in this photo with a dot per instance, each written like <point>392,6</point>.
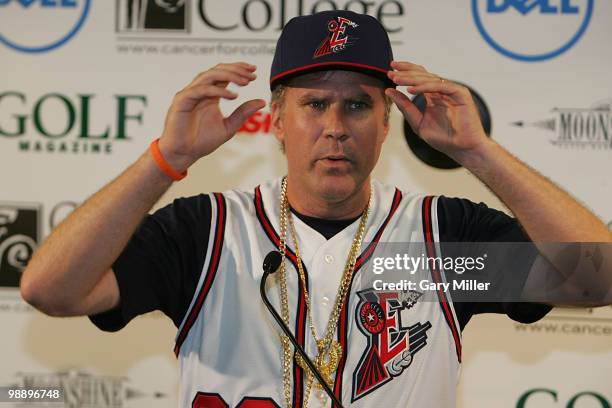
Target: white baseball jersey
<point>401,348</point>
<point>199,260</point>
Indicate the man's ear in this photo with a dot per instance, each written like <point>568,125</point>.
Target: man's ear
<point>386,129</point>
<point>277,123</point>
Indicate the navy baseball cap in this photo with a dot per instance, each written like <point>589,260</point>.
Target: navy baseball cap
<point>337,39</point>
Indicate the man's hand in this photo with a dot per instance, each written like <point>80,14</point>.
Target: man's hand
<point>450,122</point>
<point>69,275</point>
<point>195,126</point>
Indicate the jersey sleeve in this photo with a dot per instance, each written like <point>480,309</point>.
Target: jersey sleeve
<point>461,220</point>
<point>161,264</point>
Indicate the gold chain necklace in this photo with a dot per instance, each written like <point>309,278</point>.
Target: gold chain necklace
<point>329,351</point>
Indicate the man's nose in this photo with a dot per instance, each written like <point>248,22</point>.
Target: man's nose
<point>335,125</point>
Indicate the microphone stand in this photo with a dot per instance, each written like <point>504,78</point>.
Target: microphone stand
<point>271,264</point>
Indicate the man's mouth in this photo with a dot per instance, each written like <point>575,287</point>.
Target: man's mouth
<point>336,162</point>
<point>336,158</point>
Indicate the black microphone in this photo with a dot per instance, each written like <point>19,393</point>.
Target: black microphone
<point>270,265</point>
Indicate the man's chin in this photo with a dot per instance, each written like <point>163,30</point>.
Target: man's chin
<point>335,186</point>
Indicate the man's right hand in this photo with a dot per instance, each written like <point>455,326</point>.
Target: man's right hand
<point>195,126</point>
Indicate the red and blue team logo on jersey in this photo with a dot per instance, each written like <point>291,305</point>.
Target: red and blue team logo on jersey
<point>391,345</point>
<point>337,39</point>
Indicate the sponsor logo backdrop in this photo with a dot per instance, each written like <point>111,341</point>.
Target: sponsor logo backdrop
<point>85,87</point>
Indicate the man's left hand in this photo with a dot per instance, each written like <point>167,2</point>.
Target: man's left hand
<point>450,122</point>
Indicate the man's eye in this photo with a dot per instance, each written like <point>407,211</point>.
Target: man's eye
<point>357,105</point>
<point>317,105</point>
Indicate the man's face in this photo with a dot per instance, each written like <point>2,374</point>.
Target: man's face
<point>332,126</point>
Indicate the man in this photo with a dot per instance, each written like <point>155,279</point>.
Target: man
<point>199,260</point>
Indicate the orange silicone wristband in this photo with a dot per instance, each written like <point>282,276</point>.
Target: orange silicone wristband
<point>163,164</point>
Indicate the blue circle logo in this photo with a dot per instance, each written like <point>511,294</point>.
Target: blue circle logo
<point>515,28</point>
<point>35,26</point>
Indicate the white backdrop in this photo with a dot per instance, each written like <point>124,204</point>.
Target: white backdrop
<point>83,75</point>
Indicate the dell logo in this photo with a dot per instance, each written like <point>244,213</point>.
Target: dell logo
<point>514,28</point>
<point>41,3</point>
<point>527,6</point>
<point>56,22</point>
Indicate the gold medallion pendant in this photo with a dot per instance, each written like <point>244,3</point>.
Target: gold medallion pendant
<point>327,361</point>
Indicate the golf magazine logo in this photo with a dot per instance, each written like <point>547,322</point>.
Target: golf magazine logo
<point>515,28</point>
<point>58,123</point>
<point>578,127</point>
<point>34,26</point>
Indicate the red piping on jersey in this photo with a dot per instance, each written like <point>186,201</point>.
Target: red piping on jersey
<point>267,225</point>
<point>361,260</point>
<point>300,323</point>
<point>210,274</point>
<point>435,273</point>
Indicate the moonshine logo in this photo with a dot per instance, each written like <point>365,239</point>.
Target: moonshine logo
<point>532,30</point>
<point>578,127</point>
<point>34,26</point>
